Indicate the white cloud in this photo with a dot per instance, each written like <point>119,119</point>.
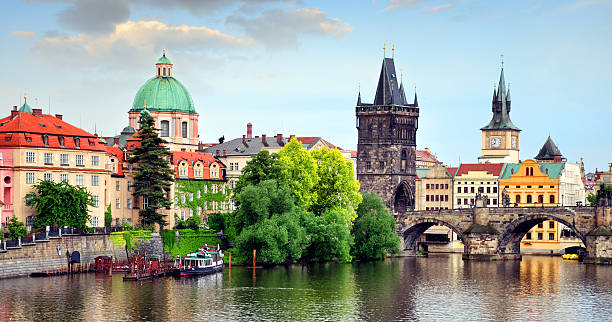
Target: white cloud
<point>394,4</point>
<point>440,8</point>
<point>277,28</point>
<point>23,34</point>
<point>133,39</point>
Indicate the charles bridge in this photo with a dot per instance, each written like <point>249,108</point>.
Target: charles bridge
<point>496,233</point>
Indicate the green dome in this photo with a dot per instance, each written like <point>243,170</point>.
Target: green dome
<point>25,107</point>
<point>164,94</point>
<point>163,60</point>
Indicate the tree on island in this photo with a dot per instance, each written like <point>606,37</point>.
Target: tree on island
<point>58,204</point>
<point>153,176</point>
<point>263,166</point>
<point>374,230</point>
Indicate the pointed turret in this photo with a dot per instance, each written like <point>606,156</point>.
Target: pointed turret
<point>359,99</point>
<point>25,107</point>
<point>403,94</point>
<point>387,91</point>
<point>416,102</point>
<point>549,152</point>
<point>501,108</point>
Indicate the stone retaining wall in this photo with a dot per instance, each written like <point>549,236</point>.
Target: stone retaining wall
<point>44,256</point>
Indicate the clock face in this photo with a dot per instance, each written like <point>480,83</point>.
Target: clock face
<point>495,142</point>
<point>514,143</point>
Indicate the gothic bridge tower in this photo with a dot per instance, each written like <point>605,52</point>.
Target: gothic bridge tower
<point>386,145</point>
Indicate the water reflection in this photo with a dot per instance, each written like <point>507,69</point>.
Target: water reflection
<point>441,287</point>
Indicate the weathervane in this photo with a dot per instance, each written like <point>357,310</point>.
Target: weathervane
<point>384,50</point>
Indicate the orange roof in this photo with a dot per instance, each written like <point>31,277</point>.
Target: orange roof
<point>353,153</point>
<point>491,168</point>
<point>118,153</point>
<point>451,170</point>
<point>422,155</point>
<point>27,129</point>
<point>192,157</point>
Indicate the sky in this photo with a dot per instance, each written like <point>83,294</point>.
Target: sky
<point>295,66</point>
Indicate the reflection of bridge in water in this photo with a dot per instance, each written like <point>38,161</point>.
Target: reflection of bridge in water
<point>496,233</point>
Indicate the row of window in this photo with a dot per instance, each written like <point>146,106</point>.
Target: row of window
<point>541,187</point>
<point>436,186</point>
<point>435,208</point>
<point>234,166</point>
<point>118,185</point>
<point>78,178</point>
<point>551,199</point>
<point>472,190</point>
<point>481,182</point>
<point>214,205</point>
<point>490,201</point>
<point>165,129</point>
<point>436,198</point>
<point>48,158</point>
<point>551,236</point>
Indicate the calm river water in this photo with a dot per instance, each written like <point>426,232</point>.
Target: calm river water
<point>441,287</point>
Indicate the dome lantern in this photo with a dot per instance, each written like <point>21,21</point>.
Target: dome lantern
<point>163,67</point>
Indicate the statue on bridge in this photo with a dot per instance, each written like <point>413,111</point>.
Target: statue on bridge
<point>505,198</point>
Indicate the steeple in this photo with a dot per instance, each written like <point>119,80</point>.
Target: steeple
<point>403,94</point>
<point>501,108</point>
<point>359,99</point>
<point>387,91</point>
<point>549,152</point>
<point>416,102</point>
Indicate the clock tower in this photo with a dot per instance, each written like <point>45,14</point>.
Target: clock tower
<point>500,138</point>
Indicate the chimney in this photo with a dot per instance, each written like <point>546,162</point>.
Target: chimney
<point>557,159</point>
<point>14,113</point>
<point>279,139</point>
<point>217,152</point>
<point>224,152</point>
<point>14,107</point>
<point>37,111</point>
<point>116,140</point>
<point>263,140</point>
<point>291,136</point>
<point>58,116</point>
<point>249,131</point>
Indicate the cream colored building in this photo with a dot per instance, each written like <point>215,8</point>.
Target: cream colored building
<point>471,178</point>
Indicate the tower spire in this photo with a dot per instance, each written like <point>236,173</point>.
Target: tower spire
<point>384,50</point>
<point>359,94</point>
<point>416,102</point>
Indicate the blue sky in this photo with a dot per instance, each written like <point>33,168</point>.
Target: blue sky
<point>293,67</point>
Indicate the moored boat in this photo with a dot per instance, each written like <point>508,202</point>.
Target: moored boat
<point>206,260</point>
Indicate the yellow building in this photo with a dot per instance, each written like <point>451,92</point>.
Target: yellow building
<point>530,184</point>
<point>38,147</point>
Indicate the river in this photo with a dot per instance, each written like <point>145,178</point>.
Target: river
<point>441,287</point>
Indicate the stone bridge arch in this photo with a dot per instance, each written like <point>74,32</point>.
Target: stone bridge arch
<point>414,228</point>
<point>509,242</point>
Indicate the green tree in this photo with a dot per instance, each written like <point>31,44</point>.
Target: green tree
<point>216,222</point>
<point>330,237</point>
<point>16,228</point>
<point>259,202</point>
<point>337,188</point>
<point>263,166</point>
<point>604,192</point>
<point>153,175</point>
<point>299,171</point>
<point>108,217</point>
<point>277,239</point>
<point>193,222</point>
<point>59,204</point>
<point>374,230</point>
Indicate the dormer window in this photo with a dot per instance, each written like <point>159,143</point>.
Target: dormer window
<point>45,138</point>
<point>77,142</point>
<point>61,141</point>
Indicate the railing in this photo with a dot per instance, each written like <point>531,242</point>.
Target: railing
<point>12,244</point>
<point>27,240</point>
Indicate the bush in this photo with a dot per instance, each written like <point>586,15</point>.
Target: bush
<point>374,230</point>
<point>216,222</point>
<point>193,222</point>
<point>16,229</point>
<point>108,217</point>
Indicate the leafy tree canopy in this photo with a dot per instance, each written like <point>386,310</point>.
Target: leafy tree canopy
<point>337,188</point>
<point>59,204</point>
<point>374,230</point>
<point>263,166</point>
<point>216,222</point>
<point>16,229</point>
<point>330,237</point>
<point>299,170</point>
<point>153,174</point>
<point>259,202</point>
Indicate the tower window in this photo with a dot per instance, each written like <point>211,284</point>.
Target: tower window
<point>370,131</point>
<point>165,128</point>
<point>404,161</point>
<point>164,71</point>
<point>184,129</point>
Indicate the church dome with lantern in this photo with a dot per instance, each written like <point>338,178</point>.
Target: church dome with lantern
<point>163,92</point>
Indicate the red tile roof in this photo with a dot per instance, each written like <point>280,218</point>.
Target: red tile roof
<point>192,157</point>
<point>27,129</point>
<point>426,156</point>
<point>312,139</point>
<point>353,153</point>
<point>491,168</point>
<point>451,170</point>
<point>118,153</point>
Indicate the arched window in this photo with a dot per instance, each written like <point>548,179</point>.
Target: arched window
<point>540,198</point>
<point>164,71</point>
<point>370,131</point>
<point>404,161</point>
<point>380,130</point>
<point>518,198</point>
<point>552,198</point>
<point>529,199</point>
<point>158,71</point>
<point>165,128</point>
<point>184,129</point>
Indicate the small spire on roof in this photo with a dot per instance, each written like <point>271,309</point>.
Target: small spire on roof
<point>384,50</point>
<point>359,94</point>
<point>392,50</point>
<point>416,102</point>
<point>164,52</point>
